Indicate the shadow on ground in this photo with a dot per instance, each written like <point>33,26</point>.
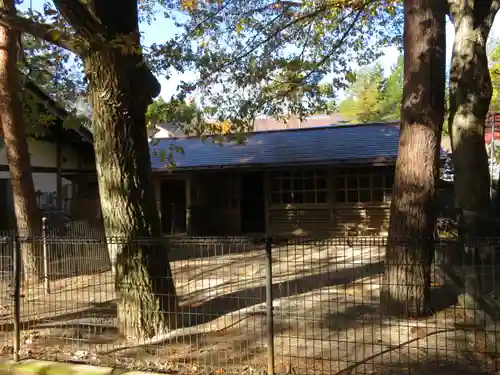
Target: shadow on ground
<point>227,303</point>
<point>104,310</point>
<point>425,367</point>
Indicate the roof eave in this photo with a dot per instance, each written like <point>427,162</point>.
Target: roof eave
<point>55,108</point>
<point>376,162</point>
<point>379,161</point>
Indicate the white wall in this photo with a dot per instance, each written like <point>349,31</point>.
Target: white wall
<point>158,132</point>
<point>162,133</point>
<point>43,154</point>
<point>44,182</point>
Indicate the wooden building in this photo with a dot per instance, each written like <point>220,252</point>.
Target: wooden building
<point>289,182</point>
<point>62,163</point>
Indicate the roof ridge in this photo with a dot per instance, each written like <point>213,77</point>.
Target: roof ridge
<point>293,130</point>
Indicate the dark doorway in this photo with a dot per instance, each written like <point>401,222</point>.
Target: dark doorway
<point>253,208</point>
<point>6,204</point>
<point>173,206</point>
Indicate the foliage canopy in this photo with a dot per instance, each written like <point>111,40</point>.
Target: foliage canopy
<point>373,97</point>
<point>271,57</point>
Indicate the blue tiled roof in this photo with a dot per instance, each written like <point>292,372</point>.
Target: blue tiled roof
<point>320,146</point>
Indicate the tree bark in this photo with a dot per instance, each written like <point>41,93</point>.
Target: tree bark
<point>470,96</point>
<point>147,302</point>
<point>410,249</point>
<point>16,145</point>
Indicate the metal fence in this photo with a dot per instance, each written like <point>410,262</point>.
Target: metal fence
<point>302,306</point>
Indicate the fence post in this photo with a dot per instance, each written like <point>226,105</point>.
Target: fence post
<point>17,297</point>
<point>45,256</point>
<point>269,305</point>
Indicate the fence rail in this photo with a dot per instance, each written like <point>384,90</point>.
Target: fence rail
<point>302,306</point>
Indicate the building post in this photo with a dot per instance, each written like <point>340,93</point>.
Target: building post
<point>59,185</point>
<point>188,204</point>
<point>267,203</point>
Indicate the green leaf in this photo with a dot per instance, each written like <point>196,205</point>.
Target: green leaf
<point>56,35</point>
<point>273,58</point>
<point>162,155</point>
<point>350,77</point>
<point>238,28</point>
<point>373,97</point>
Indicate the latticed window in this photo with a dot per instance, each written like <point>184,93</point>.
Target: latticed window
<point>299,187</point>
<point>363,184</point>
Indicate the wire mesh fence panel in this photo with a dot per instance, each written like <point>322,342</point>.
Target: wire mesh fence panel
<point>323,295</point>
<point>68,308</point>
<point>6,293</point>
<point>198,305</point>
<point>219,283</point>
<point>221,286</point>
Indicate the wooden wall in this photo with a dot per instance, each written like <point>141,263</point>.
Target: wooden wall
<point>357,203</point>
<point>214,204</point>
<point>330,201</point>
<point>358,220</point>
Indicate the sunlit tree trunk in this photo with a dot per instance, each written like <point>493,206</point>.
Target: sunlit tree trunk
<point>410,248</point>
<point>16,145</point>
<point>470,96</point>
<point>120,95</point>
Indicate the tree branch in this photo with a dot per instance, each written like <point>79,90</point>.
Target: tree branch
<point>89,30</point>
<point>97,34</point>
<point>42,31</point>
<point>328,55</point>
<point>82,20</point>
<point>490,17</point>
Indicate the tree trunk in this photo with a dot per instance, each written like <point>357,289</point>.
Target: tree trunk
<point>16,145</point>
<point>147,302</point>
<point>410,248</point>
<point>470,95</point>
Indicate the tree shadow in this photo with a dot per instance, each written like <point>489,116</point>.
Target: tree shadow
<point>193,247</point>
<point>193,271</point>
<point>443,297</point>
<point>96,310</point>
<point>425,367</point>
<point>208,311</point>
<point>241,345</point>
<point>227,303</point>
<point>227,348</point>
<point>247,347</point>
<point>213,350</point>
<point>417,354</point>
<point>243,272</point>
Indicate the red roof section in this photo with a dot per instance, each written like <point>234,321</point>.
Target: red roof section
<point>294,122</point>
<point>492,121</point>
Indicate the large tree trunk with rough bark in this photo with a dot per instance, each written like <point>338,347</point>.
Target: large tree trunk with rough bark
<point>147,302</point>
<point>120,94</point>
<point>16,145</point>
<point>410,248</point>
<point>470,96</point>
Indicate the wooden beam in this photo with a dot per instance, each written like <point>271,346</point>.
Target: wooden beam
<point>59,187</point>
<point>188,203</point>
<point>5,168</point>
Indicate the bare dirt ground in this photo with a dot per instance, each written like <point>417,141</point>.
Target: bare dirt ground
<point>327,318</point>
